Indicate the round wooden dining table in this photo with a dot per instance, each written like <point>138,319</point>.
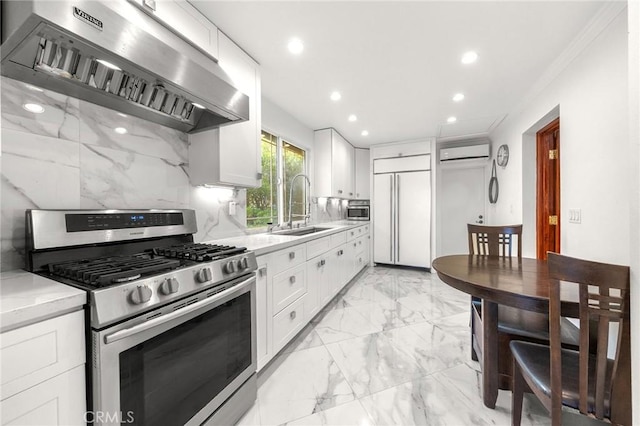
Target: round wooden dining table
<point>518,282</point>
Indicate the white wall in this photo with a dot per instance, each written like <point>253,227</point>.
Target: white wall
<point>279,122</point>
<point>634,138</point>
<point>592,96</point>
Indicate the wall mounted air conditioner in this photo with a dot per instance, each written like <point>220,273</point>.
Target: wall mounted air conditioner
<point>471,152</point>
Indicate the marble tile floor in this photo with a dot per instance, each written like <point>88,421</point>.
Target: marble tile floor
<point>392,348</point>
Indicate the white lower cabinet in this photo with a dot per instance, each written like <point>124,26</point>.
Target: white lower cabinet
<point>57,401</point>
<point>319,271</point>
<point>262,302</point>
<point>43,374</point>
<point>294,285</point>
<point>287,324</point>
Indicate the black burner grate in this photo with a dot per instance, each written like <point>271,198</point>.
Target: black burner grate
<point>106,271</point>
<point>198,252</point>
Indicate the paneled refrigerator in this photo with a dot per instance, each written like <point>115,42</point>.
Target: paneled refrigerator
<point>402,211</point>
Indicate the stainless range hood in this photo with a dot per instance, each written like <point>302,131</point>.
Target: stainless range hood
<point>113,54</point>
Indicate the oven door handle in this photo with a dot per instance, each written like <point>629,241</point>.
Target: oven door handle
<point>126,332</point>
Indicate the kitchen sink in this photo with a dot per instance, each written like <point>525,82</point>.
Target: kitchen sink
<point>301,231</point>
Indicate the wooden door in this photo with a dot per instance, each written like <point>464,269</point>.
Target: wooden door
<point>548,189</point>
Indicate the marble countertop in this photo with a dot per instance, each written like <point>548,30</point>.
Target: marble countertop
<point>265,243</point>
<point>26,298</point>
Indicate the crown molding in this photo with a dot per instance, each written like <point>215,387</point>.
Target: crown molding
<point>600,21</point>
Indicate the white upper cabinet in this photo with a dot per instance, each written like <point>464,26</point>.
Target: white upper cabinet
<point>186,21</point>
<point>230,155</point>
<point>363,174</point>
<point>334,165</point>
<point>402,149</point>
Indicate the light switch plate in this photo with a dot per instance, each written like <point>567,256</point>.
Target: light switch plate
<point>232,208</point>
<point>575,216</point>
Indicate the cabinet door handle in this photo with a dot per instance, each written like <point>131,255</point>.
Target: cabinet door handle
<point>292,255</point>
<point>292,315</point>
<point>292,279</point>
<point>262,271</point>
<point>321,263</point>
<point>354,244</point>
<point>339,191</point>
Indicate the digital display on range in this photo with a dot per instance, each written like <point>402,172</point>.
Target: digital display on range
<point>94,222</point>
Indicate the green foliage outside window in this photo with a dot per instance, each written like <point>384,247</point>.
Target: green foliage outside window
<point>262,202</point>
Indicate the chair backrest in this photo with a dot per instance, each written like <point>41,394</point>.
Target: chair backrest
<point>603,298</point>
<point>487,240</point>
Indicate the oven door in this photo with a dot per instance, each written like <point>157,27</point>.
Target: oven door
<point>176,365</point>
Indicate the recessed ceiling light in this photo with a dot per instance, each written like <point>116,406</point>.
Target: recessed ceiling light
<point>34,108</point>
<point>122,115</point>
<point>469,57</point>
<point>197,105</point>
<point>335,96</point>
<point>451,120</point>
<point>120,130</point>
<point>108,64</point>
<point>353,117</point>
<point>458,97</point>
<point>365,133</point>
<point>295,46</point>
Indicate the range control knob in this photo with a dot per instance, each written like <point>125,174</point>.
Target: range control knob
<point>168,286</point>
<point>204,275</point>
<point>230,267</point>
<point>243,263</point>
<point>140,294</point>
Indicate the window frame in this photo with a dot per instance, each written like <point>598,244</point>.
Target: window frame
<point>279,181</point>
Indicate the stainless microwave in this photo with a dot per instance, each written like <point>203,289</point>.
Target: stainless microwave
<point>358,210</point>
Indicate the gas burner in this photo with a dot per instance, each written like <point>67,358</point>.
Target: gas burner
<point>105,271</point>
<point>198,252</point>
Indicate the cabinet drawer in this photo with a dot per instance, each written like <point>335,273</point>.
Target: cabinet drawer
<point>37,352</point>
<point>352,234</point>
<point>338,239</point>
<point>363,230</point>
<point>288,286</point>
<point>287,323</point>
<point>57,401</point>
<point>285,259</point>
<point>317,247</point>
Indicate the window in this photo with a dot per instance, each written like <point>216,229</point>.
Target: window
<point>281,161</point>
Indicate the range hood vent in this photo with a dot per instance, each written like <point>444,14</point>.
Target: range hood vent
<point>114,55</point>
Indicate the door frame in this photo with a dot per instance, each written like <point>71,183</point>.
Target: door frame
<point>547,196</point>
<point>464,164</point>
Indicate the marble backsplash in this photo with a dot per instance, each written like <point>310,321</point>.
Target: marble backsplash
<point>70,157</point>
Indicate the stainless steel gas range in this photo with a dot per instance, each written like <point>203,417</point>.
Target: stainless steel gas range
<point>171,322</point>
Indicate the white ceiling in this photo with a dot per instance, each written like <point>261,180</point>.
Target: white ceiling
<point>397,64</point>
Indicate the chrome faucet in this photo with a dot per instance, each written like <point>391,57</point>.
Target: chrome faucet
<point>306,213</point>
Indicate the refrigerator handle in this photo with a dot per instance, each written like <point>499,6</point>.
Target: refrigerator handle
<point>391,217</point>
<point>398,218</point>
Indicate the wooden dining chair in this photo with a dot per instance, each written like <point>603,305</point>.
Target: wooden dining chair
<point>589,382</point>
<point>513,323</point>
